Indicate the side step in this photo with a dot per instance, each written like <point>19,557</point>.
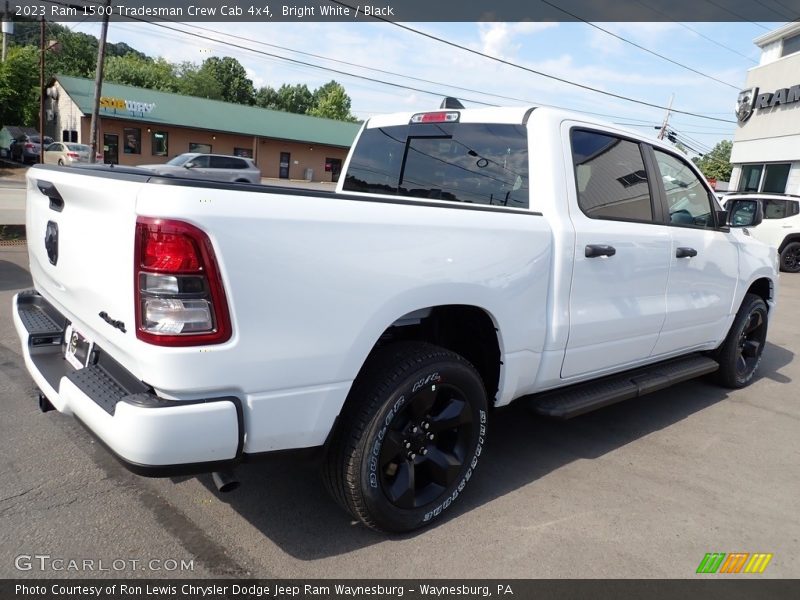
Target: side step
<point>581,398</point>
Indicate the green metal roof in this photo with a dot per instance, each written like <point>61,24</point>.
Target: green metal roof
<point>214,115</point>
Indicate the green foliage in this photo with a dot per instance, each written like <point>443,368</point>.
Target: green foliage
<point>717,163</point>
<point>267,97</point>
<point>216,78</point>
<point>294,98</point>
<point>194,81</point>
<point>19,83</point>
<point>332,102</point>
<point>232,78</point>
<point>155,74</point>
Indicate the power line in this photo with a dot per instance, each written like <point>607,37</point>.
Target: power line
<point>695,31</point>
<point>534,71</point>
<point>640,47</point>
<point>735,14</point>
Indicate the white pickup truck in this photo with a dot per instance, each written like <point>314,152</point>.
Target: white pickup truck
<point>468,258</point>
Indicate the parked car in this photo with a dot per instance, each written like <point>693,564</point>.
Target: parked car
<point>67,154</point>
<point>780,227</point>
<point>26,149</point>
<point>209,166</point>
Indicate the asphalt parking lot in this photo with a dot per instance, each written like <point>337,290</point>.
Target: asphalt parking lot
<point>639,489</point>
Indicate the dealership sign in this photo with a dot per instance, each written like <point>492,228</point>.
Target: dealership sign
<point>111,103</point>
<point>750,100</point>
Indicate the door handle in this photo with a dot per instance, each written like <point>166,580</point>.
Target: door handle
<point>685,253</point>
<point>595,250</point>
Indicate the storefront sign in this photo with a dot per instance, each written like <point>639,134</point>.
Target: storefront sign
<point>750,100</point>
<point>111,103</point>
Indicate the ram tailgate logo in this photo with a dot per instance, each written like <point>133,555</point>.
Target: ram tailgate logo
<point>736,562</point>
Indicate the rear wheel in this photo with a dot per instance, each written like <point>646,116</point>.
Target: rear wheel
<point>409,437</point>
<point>60,162</point>
<point>790,258</point>
<point>740,353</point>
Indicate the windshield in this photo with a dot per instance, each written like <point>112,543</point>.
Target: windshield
<point>179,160</point>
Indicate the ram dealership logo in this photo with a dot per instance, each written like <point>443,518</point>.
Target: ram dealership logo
<point>745,104</point>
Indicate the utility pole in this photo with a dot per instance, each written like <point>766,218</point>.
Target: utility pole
<point>98,85</point>
<point>663,131</point>
<point>8,29</point>
<point>41,91</point>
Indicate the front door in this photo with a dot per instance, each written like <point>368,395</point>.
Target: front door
<point>703,260</point>
<point>336,168</point>
<point>620,267</point>
<point>111,148</point>
<point>283,166</point>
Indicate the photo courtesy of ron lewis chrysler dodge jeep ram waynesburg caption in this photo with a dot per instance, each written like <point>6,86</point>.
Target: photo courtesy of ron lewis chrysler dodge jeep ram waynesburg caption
<point>468,258</point>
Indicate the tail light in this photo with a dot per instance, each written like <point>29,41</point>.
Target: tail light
<point>180,300</point>
<point>29,146</point>
<point>72,154</point>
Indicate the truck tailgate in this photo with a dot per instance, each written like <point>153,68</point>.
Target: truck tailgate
<point>80,245</point>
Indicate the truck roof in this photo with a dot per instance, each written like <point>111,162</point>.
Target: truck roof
<point>515,115</point>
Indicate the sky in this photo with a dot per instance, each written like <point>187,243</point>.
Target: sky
<point>576,52</point>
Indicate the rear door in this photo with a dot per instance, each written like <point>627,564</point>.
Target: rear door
<point>622,252</point>
<point>704,260</point>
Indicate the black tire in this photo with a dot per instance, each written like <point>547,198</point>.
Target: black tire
<point>740,353</point>
<point>790,258</point>
<point>60,163</point>
<point>408,438</point>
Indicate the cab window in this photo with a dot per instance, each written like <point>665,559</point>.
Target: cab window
<point>688,200</point>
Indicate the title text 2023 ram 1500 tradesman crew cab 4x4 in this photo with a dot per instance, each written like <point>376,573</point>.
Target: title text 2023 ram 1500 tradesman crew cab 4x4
<point>467,258</point>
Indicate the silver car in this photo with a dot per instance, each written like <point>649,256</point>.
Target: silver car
<point>220,167</point>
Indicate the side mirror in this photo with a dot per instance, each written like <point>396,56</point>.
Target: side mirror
<point>188,165</point>
<point>744,213</point>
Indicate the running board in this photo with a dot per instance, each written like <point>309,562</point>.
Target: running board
<point>581,398</point>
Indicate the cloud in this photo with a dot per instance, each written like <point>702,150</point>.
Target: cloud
<point>497,39</point>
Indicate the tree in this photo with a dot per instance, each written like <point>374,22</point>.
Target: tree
<point>232,78</point>
<point>194,81</point>
<point>267,97</point>
<point>19,87</point>
<point>294,98</point>
<point>716,164</point>
<point>155,74</point>
<point>332,102</point>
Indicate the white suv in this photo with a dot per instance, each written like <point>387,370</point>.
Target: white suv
<point>780,227</point>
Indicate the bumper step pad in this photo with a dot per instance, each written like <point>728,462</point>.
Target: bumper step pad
<point>584,397</point>
<point>45,327</point>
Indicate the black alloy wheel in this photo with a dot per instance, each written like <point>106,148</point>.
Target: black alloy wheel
<point>790,258</point>
<point>740,354</point>
<point>426,446</point>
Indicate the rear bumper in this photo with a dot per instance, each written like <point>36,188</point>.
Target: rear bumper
<point>149,435</point>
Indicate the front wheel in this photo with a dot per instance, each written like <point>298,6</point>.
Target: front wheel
<point>790,258</point>
<point>740,353</point>
<point>409,437</point>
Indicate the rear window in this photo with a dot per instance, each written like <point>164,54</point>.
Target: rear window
<point>476,163</point>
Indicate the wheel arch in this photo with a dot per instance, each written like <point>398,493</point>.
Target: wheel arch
<point>792,237</point>
<point>468,330</point>
<point>763,287</point>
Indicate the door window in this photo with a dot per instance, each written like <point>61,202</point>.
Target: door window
<point>198,161</point>
<point>689,202</point>
<point>611,177</point>
<point>779,209</point>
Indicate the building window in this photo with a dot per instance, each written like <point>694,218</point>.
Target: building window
<point>791,45</point>
<point>243,152</point>
<point>159,142</point>
<point>69,135</point>
<point>764,178</point>
<point>201,148</point>
<point>133,140</point>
